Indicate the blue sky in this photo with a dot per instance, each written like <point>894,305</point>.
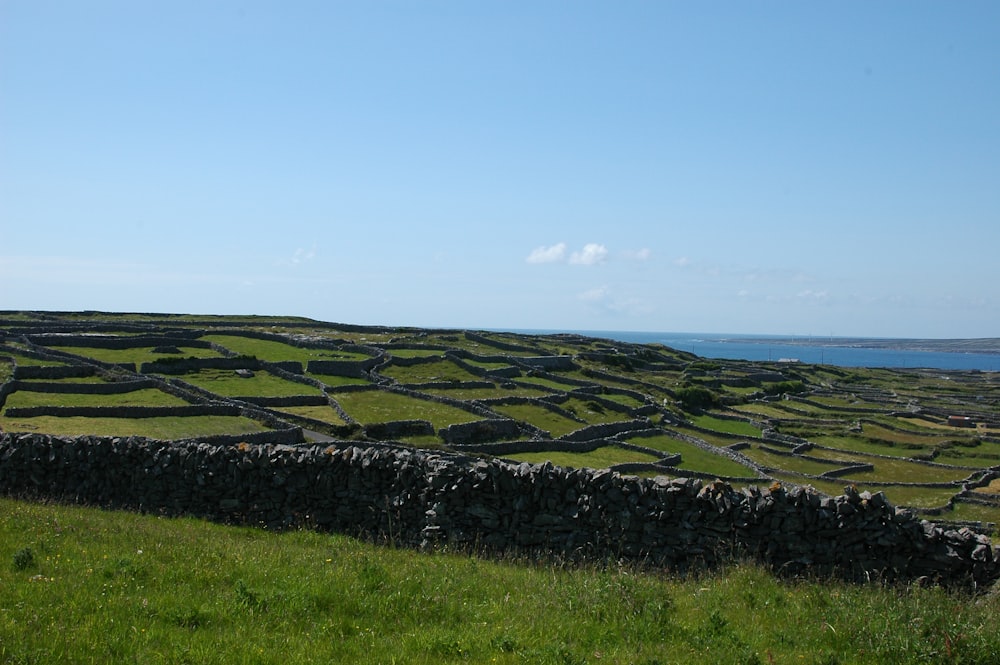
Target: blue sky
<point>741,167</point>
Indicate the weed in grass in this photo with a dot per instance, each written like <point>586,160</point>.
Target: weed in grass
<point>24,559</point>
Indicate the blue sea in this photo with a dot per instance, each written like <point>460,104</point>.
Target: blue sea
<point>776,347</point>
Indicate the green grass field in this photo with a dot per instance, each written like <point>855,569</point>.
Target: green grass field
<point>557,425</point>
<point>168,428</point>
<point>90,586</point>
<point>139,354</point>
<point>738,427</point>
<point>441,370</point>
<point>143,397</point>
<point>600,458</point>
<point>265,349</point>
<point>380,406</point>
<point>261,384</point>
<point>890,399</point>
<point>694,458</point>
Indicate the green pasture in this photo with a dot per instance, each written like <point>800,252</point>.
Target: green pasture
<point>487,365</point>
<point>272,351</point>
<point>694,458</point>
<point>765,410</point>
<point>593,412</point>
<point>928,437</point>
<point>167,428</point>
<point>737,427</point>
<point>33,362</point>
<point>143,397</point>
<point>974,512</point>
<point>93,378</point>
<point>625,400</point>
<point>861,444</point>
<point>556,424</point>
<point>326,414</point>
<point>956,457</point>
<point>904,471</point>
<point>709,437</point>
<point>262,384</point>
<point>898,495</point>
<point>334,381</point>
<point>416,353</point>
<point>600,458</point>
<point>138,354</point>
<point>541,382</point>
<point>795,463</point>
<point>473,394</point>
<point>441,370</point>
<point>380,406</point>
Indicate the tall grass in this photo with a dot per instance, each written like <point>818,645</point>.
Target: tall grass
<point>87,586</point>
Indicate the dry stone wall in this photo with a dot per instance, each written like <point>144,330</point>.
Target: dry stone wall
<point>422,499</point>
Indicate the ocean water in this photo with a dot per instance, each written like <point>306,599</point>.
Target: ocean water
<point>776,347</point>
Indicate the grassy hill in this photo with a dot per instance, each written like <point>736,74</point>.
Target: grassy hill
<point>664,412</point>
<point>84,585</point>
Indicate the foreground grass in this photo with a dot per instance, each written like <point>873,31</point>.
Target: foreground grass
<point>87,586</point>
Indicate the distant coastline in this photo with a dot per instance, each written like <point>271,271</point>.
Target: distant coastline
<point>981,354</point>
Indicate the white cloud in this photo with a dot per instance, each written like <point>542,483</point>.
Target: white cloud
<point>303,255</point>
<point>682,262</point>
<point>595,295</point>
<point>591,254</point>
<point>814,296</point>
<point>638,255</point>
<point>551,254</point>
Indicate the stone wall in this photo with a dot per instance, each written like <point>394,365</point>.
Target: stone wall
<point>422,499</point>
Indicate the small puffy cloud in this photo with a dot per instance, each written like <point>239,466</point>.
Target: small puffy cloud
<point>813,296</point>
<point>638,255</point>
<point>591,254</point>
<point>302,255</point>
<point>682,262</point>
<point>595,295</point>
<point>550,254</point>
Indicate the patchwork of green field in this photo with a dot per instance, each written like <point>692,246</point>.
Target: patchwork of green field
<point>863,445</point>
<point>138,354</point>
<point>167,428</point>
<point>272,351</point>
<point>737,427</point>
<point>33,362</point>
<point>542,382</point>
<point>833,404</point>
<point>897,470</point>
<point>497,392</point>
<point>326,414</point>
<point>600,458</point>
<point>432,372</point>
<point>334,380</point>
<point>899,495</point>
<point>593,412</point>
<point>416,353</point>
<point>973,512</point>
<point>554,423</point>
<point>796,463</point>
<point>93,378</point>
<point>694,458</point>
<point>721,440</point>
<point>625,400</point>
<point>381,406</point>
<point>143,397</point>
<point>261,384</point>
